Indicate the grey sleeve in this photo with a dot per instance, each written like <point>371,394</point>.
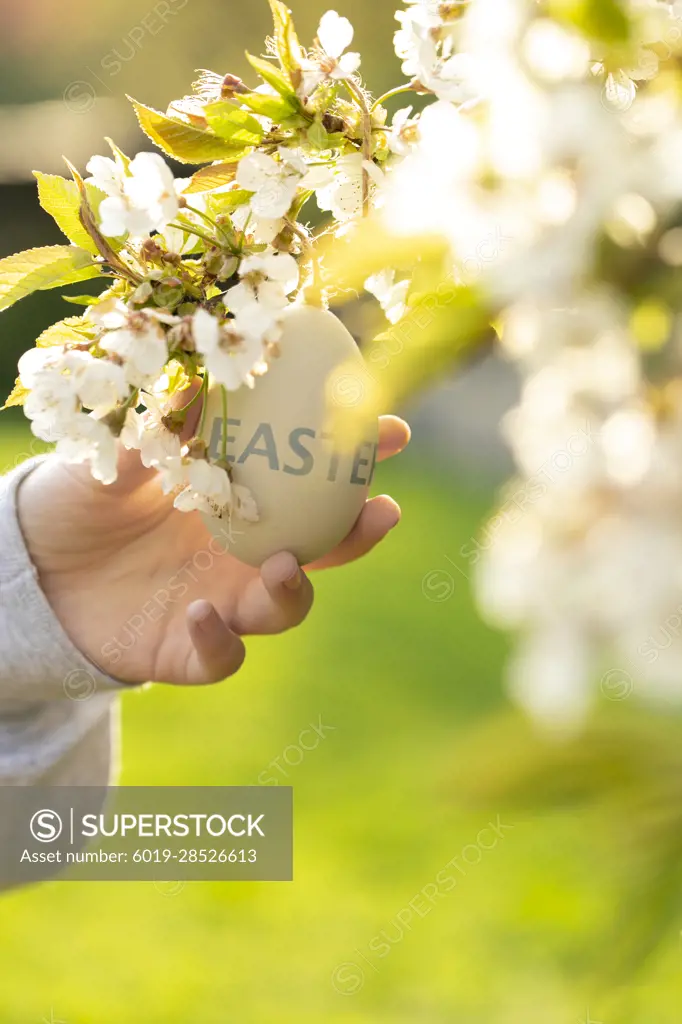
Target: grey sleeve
<point>58,713</point>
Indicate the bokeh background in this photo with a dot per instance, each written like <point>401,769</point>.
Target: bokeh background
<point>393,661</point>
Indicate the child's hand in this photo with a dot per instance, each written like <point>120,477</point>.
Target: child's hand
<point>143,590</point>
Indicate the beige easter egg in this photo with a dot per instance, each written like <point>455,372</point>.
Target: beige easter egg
<point>309,486</point>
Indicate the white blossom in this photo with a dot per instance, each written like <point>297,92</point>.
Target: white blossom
<point>273,182</point>
<point>334,34</point>
<point>142,346</point>
<point>231,359</point>
<point>339,188</point>
<point>203,486</point>
<point>106,175</point>
<point>148,433</point>
<point>52,400</point>
<point>404,134</point>
<point>177,240</point>
<point>263,229</point>
<point>99,383</point>
<point>427,45</point>
<point>208,488</point>
<point>138,202</point>
<point>87,439</point>
<point>258,300</point>
<point>61,381</point>
<point>280,267</point>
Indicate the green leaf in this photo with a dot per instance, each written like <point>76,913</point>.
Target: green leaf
<point>18,395</point>
<point>224,202</point>
<point>318,136</point>
<point>61,199</point>
<point>272,75</point>
<point>182,141</point>
<point>286,41</point>
<point>72,330</point>
<point>233,124</point>
<point>274,107</point>
<point>38,269</point>
<point>208,178</point>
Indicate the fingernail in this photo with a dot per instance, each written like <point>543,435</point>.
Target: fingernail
<point>202,613</point>
<point>294,582</point>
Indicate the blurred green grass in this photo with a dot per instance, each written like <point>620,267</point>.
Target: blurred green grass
<point>396,680</point>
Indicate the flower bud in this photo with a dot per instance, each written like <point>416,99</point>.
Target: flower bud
<point>151,251</point>
<point>169,292</point>
<point>197,448</point>
<point>141,294</point>
<point>231,86</point>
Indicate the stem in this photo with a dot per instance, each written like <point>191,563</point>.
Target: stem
<point>212,223</point>
<point>357,93</point>
<point>313,291</point>
<point>200,213</point>
<point>191,229</point>
<point>203,391</point>
<point>223,449</point>
<point>392,92</point>
<point>131,401</point>
<point>195,397</point>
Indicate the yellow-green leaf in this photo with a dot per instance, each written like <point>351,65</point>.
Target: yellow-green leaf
<point>225,202</point>
<point>235,125</point>
<point>182,141</point>
<point>286,41</point>
<point>120,157</point>
<point>18,395</point>
<point>440,329</point>
<point>318,136</point>
<point>38,269</point>
<point>61,199</point>
<point>72,330</point>
<point>208,178</point>
<point>272,75</point>
<point>81,300</point>
<point>274,107</point>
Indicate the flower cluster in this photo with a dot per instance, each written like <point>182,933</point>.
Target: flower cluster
<point>201,269</point>
<point>564,177</point>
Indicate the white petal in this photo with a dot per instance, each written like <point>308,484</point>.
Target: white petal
<point>106,175</point>
<point>205,331</point>
<point>254,170</point>
<point>274,199</point>
<point>347,66</point>
<point>379,285</point>
<point>283,268</point>
<point>335,33</point>
<point>32,363</point>
<point>112,217</point>
<point>239,297</point>
<point>256,320</point>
